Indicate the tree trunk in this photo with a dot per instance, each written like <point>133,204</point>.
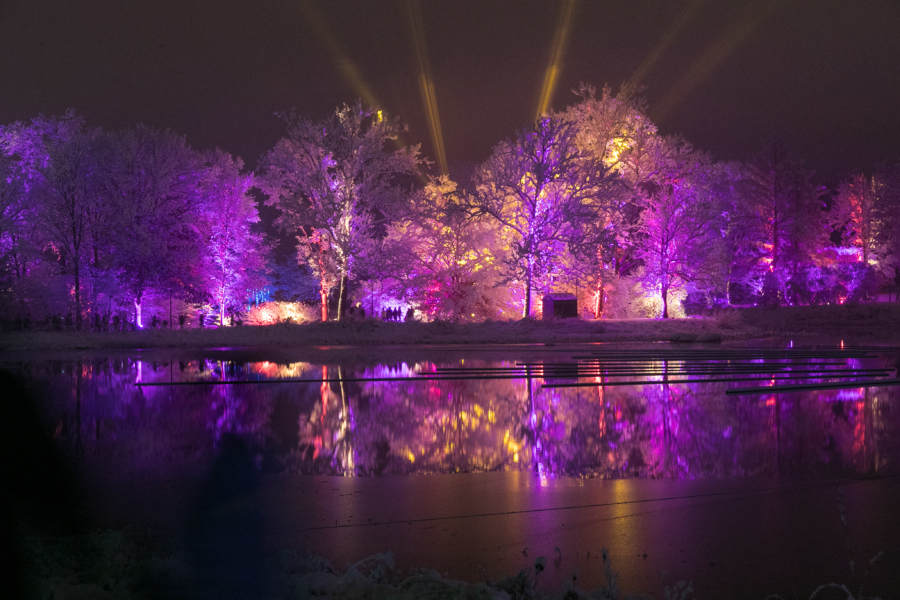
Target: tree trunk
<point>527,295</point>
<point>342,300</point>
<point>137,312</point>
<point>598,305</point>
<point>665,300</point>
<point>77,296</point>
<point>324,296</point>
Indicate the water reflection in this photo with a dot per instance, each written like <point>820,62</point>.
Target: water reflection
<point>341,425</point>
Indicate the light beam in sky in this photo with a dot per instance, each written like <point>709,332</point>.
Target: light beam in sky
<point>715,54</point>
<point>563,24</point>
<point>344,64</point>
<point>426,82</point>
<point>671,34</point>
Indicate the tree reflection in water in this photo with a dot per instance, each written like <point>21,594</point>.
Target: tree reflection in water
<point>344,426</point>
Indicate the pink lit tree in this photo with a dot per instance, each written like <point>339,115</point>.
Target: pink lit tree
<point>337,179</point>
<point>314,250</point>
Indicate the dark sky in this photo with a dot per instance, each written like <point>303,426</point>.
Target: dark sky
<point>822,74</point>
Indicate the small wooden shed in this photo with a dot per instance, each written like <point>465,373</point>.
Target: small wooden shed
<point>560,306</point>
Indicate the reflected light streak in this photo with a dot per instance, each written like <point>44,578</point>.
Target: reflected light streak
<point>671,34</point>
<point>559,45</point>
<point>715,54</point>
<point>426,82</point>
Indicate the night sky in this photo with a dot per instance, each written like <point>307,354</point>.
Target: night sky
<point>824,75</point>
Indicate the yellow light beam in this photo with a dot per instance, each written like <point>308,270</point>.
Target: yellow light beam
<point>551,75</point>
<point>426,82</point>
<point>715,54</point>
<point>671,34</point>
<point>344,64</point>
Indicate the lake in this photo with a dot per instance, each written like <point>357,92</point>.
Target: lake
<point>546,417</point>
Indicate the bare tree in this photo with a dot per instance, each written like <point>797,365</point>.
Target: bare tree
<point>789,218</point>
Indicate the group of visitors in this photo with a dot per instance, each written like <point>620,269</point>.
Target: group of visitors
<point>358,313</point>
<point>395,314</point>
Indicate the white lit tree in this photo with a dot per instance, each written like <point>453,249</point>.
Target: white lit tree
<point>541,189</point>
<point>338,180</point>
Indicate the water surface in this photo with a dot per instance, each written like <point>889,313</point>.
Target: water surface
<point>469,411</point>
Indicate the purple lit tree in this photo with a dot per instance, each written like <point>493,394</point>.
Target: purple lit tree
<point>234,260</point>
<point>18,250</point>
<point>336,179</point>
<point>790,224</point>
<point>679,242</point>
<point>56,155</point>
<point>152,184</point>
<point>541,188</point>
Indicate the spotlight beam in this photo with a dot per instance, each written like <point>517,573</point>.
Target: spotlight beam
<point>551,75</point>
<point>426,81</point>
<point>671,34</point>
<point>339,58</point>
<point>715,54</point>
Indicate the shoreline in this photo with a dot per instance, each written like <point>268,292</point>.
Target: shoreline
<point>875,322</point>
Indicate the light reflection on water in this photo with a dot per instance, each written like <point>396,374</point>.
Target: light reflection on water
<point>345,427</point>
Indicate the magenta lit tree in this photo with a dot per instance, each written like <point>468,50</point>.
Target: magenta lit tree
<point>337,179</point>
<point>540,188</point>
<point>234,260</point>
<point>679,242</point>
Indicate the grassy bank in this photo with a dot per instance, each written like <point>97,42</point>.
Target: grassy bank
<point>875,322</point>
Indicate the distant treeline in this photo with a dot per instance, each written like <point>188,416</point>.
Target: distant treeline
<point>591,200</point>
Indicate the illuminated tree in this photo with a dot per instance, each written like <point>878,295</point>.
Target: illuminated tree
<point>887,181</point>
<point>679,229</point>
<point>235,263</point>
<point>790,223</point>
<point>865,213</point>
<point>336,177</point>
<point>19,245</point>
<point>55,154</point>
<point>451,257</point>
<point>540,188</point>
<point>617,131</point>
<point>152,183</point>
<point>314,250</point>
